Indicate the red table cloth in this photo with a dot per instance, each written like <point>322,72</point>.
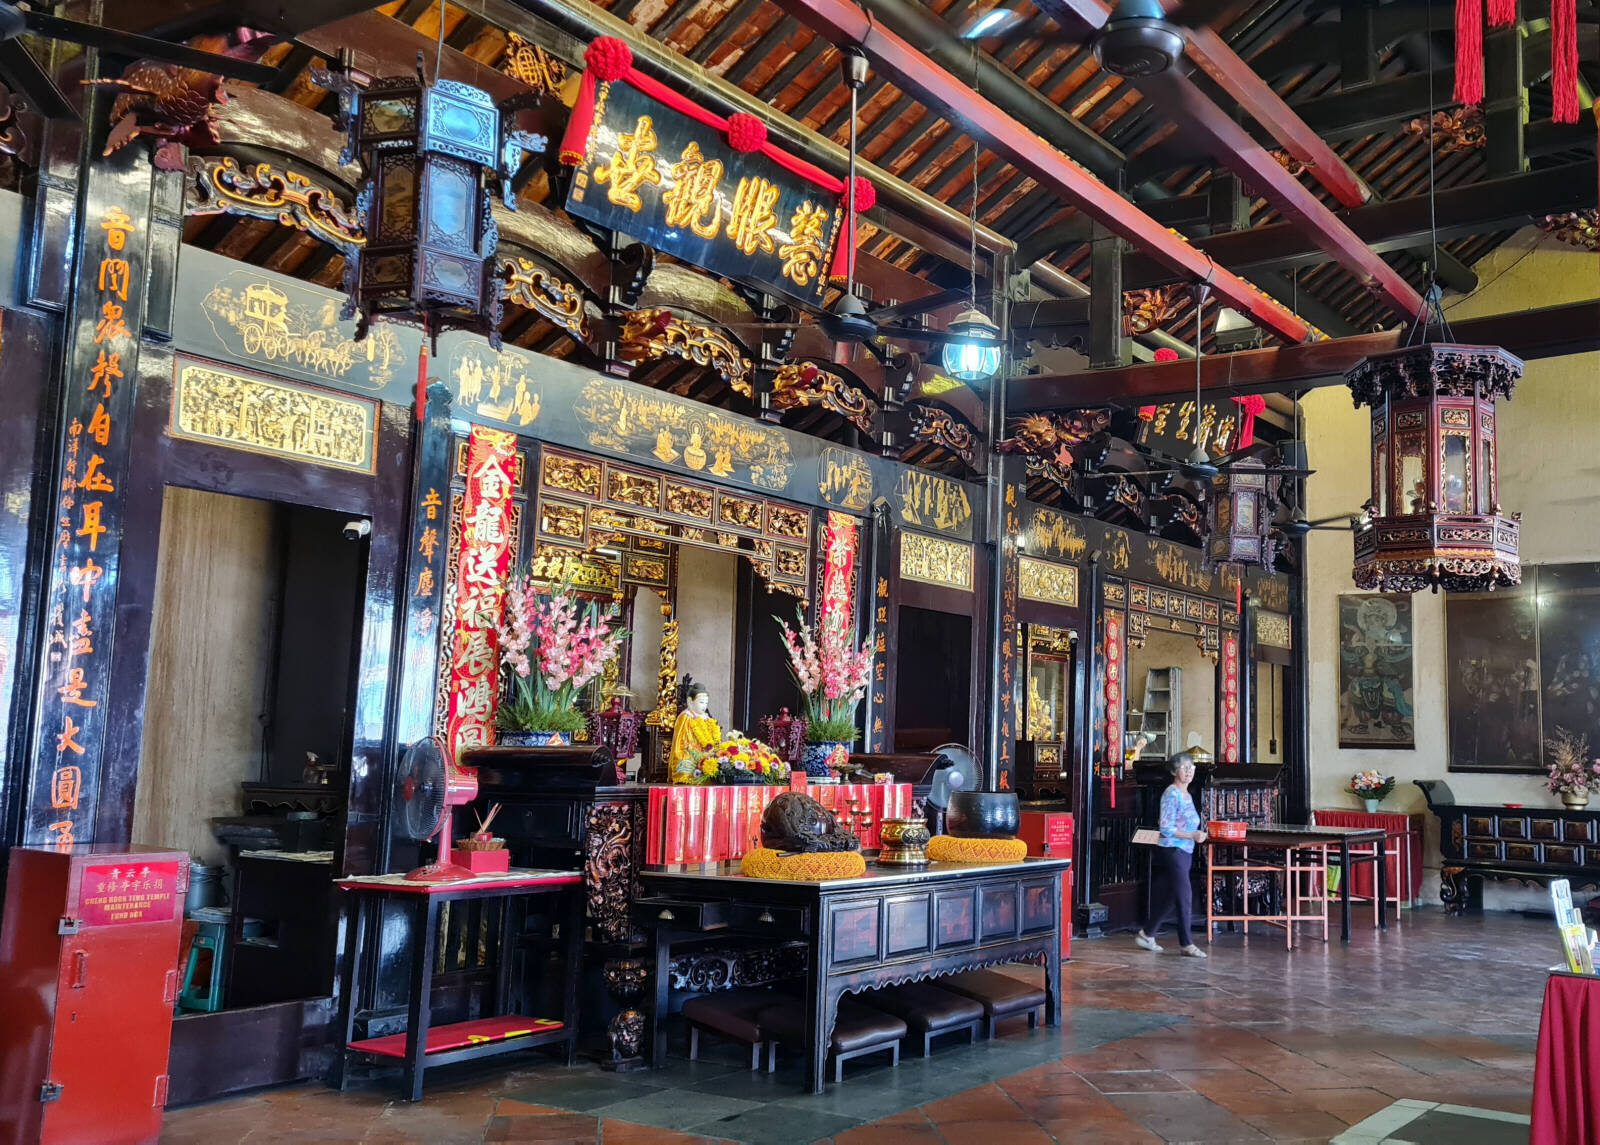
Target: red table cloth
<point>1395,824</point>
<point>1566,1073</point>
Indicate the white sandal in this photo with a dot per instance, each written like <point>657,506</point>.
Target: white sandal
<point>1144,940</point>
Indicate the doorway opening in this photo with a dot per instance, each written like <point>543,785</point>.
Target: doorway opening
<point>247,736</point>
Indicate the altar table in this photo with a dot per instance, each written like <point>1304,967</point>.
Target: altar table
<point>1404,865</point>
<point>880,928</point>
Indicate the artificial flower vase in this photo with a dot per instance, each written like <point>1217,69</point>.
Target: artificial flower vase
<point>507,738</point>
<point>818,758</point>
<point>1575,798</point>
<point>1372,805</point>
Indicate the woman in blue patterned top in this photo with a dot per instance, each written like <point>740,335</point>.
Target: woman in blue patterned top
<point>1169,884</point>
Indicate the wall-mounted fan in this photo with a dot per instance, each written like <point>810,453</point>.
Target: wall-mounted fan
<point>428,785</point>
<point>25,77</point>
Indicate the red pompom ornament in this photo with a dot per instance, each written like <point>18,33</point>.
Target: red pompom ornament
<point>866,194</point>
<point>1166,354</point>
<point>746,132</point>
<point>608,58</point>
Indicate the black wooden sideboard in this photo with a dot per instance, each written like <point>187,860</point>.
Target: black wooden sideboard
<point>1528,845</point>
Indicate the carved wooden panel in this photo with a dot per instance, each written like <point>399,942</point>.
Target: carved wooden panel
<point>997,912</point>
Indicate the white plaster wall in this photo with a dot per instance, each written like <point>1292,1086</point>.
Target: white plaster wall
<point>707,589</point>
<point>1549,459</point>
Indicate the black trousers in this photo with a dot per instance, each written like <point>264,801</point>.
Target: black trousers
<point>1170,892</point>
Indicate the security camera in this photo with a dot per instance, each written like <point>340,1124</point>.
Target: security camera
<point>355,530</point>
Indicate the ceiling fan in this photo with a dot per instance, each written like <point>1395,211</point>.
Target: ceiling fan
<point>1297,524</point>
<point>1199,465</point>
<point>28,79</point>
<point>1139,37</point>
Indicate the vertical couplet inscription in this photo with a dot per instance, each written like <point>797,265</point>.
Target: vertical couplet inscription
<point>480,586</point>
<point>69,734</point>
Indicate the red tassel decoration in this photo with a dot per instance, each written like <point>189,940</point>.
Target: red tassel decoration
<point>422,378</point>
<point>1502,13</point>
<point>1469,52</point>
<point>1249,406</point>
<point>1564,60</point>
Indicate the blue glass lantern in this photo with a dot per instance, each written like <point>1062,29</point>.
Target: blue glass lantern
<point>973,353</point>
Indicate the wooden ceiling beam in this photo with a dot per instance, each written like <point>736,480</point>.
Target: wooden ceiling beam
<point>1399,224</point>
<point>1531,334</point>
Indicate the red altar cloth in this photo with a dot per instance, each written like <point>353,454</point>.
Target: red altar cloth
<point>1396,825</point>
<point>688,823</point>
<point>1566,1073</point>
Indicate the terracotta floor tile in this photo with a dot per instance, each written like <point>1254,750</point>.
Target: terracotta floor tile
<point>1186,1117</point>
<point>982,1103</point>
<point>880,1134</point>
<point>511,1107</point>
<point>628,1133</point>
<point>1134,1081</point>
<point>1116,1130</point>
<point>1349,1105</point>
<point>559,1129</point>
<point>993,1133</point>
<point>1034,1084</point>
<point>1309,1126</point>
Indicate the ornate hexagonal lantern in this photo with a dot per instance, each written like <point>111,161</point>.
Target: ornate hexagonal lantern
<point>1434,520</point>
<point>428,153</point>
<point>1240,515</point>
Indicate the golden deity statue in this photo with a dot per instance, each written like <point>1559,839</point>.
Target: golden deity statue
<point>695,729</point>
<point>694,454</point>
<point>664,449</point>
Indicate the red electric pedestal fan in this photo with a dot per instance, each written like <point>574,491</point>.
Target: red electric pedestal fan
<point>428,784</point>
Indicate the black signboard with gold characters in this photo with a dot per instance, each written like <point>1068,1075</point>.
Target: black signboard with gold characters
<point>676,185</point>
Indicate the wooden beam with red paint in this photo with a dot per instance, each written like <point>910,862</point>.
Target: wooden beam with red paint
<point>911,71</point>
<point>1546,333</point>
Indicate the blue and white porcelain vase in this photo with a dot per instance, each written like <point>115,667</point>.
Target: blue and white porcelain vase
<point>508,738</point>
<point>818,757</point>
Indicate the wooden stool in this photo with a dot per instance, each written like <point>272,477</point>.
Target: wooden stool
<point>734,1014</point>
<point>1000,995</point>
<point>928,1010</point>
<point>858,1031</point>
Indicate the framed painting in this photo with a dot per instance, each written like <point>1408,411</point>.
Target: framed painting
<point>1493,680</point>
<point>1376,682</point>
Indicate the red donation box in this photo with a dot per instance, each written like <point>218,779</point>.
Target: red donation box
<point>88,978</point>
<point>1049,835</point>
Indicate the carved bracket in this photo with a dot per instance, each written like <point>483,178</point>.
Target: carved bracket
<point>1576,228</point>
<point>800,384</point>
<point>658,333</point>
<point>935,425</point>
<point>558,302</point>
<point>1145,310</point>
<point>220,186</point>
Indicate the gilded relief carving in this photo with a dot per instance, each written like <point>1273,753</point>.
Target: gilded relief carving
<point>647,570</point>
<point>800,384</point>
<point>634,489</point>
<point>846,480</point>
<point>791,563</point>
<point>656,333</point>
<point>560,303</point>
<point>689,501</point>
<point>571,475</point>
<point>642,424</point>
<point>1119,555</point>
<point>1056,535</point>
<point>1179,566</point>
<point>934,560</point>
<point>530,64</point>
<point>283,324</point>
<point>1272,628</point>
<point>937,426</point>
<point>782,522</point>
<point>273,417</point>
<point>1051,583</point>
<point>564,521</point>
<point>220,186</point>
<point>499,385</point>
<point>929,502</point>
<point>739,512</point>
<point>556,565</point>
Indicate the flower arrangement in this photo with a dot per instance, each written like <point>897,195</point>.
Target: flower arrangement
<point>1569,770</point>
<point>1370,785</point>
<point>831,674</point>
<point>734,760</point>
<point>551,645</point>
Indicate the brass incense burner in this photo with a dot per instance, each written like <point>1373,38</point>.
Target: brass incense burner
<point>905,843</point>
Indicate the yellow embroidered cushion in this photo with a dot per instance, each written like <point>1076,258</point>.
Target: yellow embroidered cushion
<point>949,849</point>
<point>765,863</point>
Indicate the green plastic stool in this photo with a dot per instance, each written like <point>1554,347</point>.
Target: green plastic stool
<point>202,977</point>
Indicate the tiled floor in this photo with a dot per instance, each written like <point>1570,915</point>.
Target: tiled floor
<point>1255,1044</point>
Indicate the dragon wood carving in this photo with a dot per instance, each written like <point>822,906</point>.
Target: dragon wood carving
<point>176,105</point>
<point>937,426</point>
<point>1054,436</point>
<point>800,384</point>
<point>1145,310</point>
<point>656,333</point>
